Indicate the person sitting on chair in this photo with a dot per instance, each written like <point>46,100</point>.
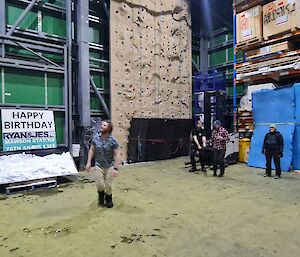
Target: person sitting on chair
<point>197,145</point>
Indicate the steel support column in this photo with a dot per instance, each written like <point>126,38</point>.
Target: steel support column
<point>83,62</point>
<point>69,65</point>
<point>105,7</point>
<point>66,127</point>
<point>203,53</point>
<point>2,26</point>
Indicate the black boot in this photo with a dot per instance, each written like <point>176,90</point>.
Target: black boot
<point>222,173</point>
<point>101,196</point>
<point>109,203</point>
<point>215,173</point>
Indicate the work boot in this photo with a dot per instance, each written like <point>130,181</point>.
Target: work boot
<point>222,173</point>
<point>101,196</point>
<point>215,173</point>
<point>109,203</point>
<point>193,169</point>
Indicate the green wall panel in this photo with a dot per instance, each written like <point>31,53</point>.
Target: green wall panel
<point>101,81</point>
<point>13,12</point>
<point>53,25</point>
<point>230,54</point>
<point>55,89</point>
<point>94,35</point>
<point>54,57</point>
<point>59,127</point>
<point>20,52</point>
<point>239,90</point>
<point>98,35</point>
<point>217,58</point>
<point>196,59</point>
<point>24,87</point>
<point>59,3</point>
<point>95,104</point>
<point>217,41</point>
<point>94,54</point>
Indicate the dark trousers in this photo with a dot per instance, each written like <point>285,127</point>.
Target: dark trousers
<point>193,153</point>
<point>218,160</point>
<point>276,157</point>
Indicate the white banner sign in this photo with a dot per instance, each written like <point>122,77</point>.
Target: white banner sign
<point>27,129</point>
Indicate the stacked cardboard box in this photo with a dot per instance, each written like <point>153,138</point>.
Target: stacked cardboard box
<point>249,25</point>
<point>280,16</point>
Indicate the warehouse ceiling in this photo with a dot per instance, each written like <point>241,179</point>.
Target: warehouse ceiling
<point>211,15</point>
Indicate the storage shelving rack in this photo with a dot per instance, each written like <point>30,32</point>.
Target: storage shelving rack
<point>281,68</point>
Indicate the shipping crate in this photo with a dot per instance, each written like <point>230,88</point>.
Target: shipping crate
<point>271,49</point>
<point>280,17</point>
<point>249,26</point>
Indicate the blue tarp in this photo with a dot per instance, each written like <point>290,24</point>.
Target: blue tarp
<point>297,102</point>
<point>274,106</point>
<point>257,159</point>
<point>296,149</point>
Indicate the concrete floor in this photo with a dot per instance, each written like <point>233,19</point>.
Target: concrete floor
<point>160,210</point>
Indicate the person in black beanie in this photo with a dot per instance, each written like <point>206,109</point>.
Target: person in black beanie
<point>273,148</point>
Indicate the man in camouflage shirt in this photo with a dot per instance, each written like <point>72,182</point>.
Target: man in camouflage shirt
<point>105,150</point>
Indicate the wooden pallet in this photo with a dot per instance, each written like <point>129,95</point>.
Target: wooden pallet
<point>268,60</point>
<point>287,33</point>
<point>247,4</point>
<point>265,78</point>
<point>30,186</point>
<point>246,44</point>
<point>270,51</point>
<point>261,66</point>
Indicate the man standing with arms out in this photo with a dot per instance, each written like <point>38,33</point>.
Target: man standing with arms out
<point>219,138</point>
<point>106,151</point>
<point>273,148</point>
<point>197,145</point>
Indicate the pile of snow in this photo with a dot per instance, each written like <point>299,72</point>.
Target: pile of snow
<point>23,167</point>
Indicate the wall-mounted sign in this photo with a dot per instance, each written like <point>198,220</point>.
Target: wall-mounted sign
<point>27,129</point>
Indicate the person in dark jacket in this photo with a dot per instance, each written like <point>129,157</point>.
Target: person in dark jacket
<point>197,145</point>
<point>273,148</point>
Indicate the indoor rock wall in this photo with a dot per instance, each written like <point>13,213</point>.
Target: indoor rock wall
<point>151,71</point>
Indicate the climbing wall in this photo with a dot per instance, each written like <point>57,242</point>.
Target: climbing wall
<point>151,71</point>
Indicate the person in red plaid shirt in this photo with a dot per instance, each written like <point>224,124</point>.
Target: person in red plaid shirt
<point>219,138</point>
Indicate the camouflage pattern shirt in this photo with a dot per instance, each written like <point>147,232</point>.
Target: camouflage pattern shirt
<point>104,153</point>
